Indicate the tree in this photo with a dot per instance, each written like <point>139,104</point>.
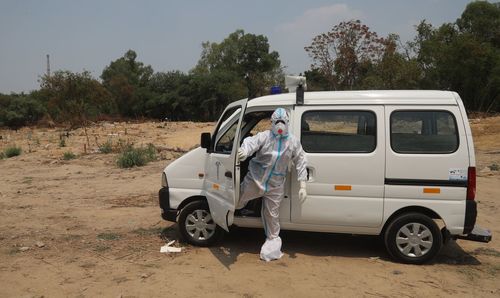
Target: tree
<point>127,80</point>
<point>395,70</point>
<point>463,56</point>
<point>168,98</point>
<point>482,20</point>
<point>316,80</point>
<point>74,97</point>
<point>344,53</point>
<point>244,55</point>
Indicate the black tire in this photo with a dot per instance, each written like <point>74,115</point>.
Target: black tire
<point>411,247</point>
<point>188,233</point>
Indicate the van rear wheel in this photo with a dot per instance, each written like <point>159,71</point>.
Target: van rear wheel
<point>413,238</point>
<point>196,225</point>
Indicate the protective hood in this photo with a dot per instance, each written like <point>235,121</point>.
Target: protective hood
<point>279,122</point>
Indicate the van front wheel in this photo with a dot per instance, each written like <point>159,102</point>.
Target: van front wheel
<point>413,238</point>
<point>196,225</point>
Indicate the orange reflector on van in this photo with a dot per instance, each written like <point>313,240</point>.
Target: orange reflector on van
<point>343,187</point>
<point>432,190</point>
<point>215,186</point>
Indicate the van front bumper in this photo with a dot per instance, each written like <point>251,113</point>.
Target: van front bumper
<point>167,213</point>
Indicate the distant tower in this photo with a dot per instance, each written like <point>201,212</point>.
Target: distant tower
<point>48,66</point>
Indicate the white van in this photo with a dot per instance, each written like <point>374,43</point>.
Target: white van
<point>399,164</point>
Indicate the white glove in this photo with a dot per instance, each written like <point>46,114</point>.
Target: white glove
<point>302,191</point>
<point>241,155</point>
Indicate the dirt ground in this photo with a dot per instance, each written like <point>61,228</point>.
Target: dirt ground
<point>86,228</point>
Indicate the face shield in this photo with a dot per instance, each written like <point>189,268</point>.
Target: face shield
<point>279,122</point>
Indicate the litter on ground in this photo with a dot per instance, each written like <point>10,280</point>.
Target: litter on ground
<point>167,248</point>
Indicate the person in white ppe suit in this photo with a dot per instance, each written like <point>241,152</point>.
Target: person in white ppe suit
<point>267,173</point>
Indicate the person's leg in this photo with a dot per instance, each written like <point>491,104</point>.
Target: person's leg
<point>271,249</point>
<point>249,190</point>
<point>270,213</point>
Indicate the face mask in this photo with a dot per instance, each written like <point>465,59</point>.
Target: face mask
<point>280,129</point>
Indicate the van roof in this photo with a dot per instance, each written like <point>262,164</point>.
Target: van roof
<point>389,97</point>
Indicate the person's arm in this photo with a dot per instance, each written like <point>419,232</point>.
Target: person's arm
<point>251,145</point>
<point>300,161</point>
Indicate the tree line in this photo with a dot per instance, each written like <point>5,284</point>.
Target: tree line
<point>462,56</point>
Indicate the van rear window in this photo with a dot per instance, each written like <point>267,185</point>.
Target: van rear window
<point>338,131</point>
<point>423,132</point>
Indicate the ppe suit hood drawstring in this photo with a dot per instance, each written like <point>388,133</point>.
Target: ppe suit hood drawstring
<point>271,173</point>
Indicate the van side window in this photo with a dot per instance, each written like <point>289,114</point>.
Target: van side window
<point>255,122</point>
<point>338,131</point>
<point>423,132</point>
<point>263,125</point>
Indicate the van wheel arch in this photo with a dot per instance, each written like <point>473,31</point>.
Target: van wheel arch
<point>410,209</point>
<point>189,200</point>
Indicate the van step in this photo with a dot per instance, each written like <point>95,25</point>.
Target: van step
<point>246,213</point>
<point>477,234</point>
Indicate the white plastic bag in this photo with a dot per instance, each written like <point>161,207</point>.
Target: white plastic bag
<point>271,250</point>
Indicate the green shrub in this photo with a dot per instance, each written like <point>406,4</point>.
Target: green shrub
<point>12,151</point>
<point>69,155</point>
<point>2,156</point>
<point>136,157</point>
<point>494,167</point>
<point>150,152</point>
<point>62,142</point>
<point>106,147</point>
<point>17,110</point>
<point>133,157</point>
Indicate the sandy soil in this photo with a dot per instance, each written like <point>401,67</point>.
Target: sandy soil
<point>86,228</point>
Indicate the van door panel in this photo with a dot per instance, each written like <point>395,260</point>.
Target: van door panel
<point>346,189</point>
<point>426,170</point>
<point>222,175</point>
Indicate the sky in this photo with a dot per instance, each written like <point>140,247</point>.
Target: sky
<point>88,35</point>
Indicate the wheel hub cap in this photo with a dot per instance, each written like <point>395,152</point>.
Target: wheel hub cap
<point>414,240</point>
<point>200,225</point>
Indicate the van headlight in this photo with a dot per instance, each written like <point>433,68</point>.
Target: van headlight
<point>164,182</point>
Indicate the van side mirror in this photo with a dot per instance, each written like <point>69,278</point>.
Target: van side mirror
<point>206,140</point>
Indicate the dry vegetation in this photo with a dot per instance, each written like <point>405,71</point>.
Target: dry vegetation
<point>84,227</point>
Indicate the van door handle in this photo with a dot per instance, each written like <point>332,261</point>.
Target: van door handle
<point>310,173</point>
<point>228,174</point>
